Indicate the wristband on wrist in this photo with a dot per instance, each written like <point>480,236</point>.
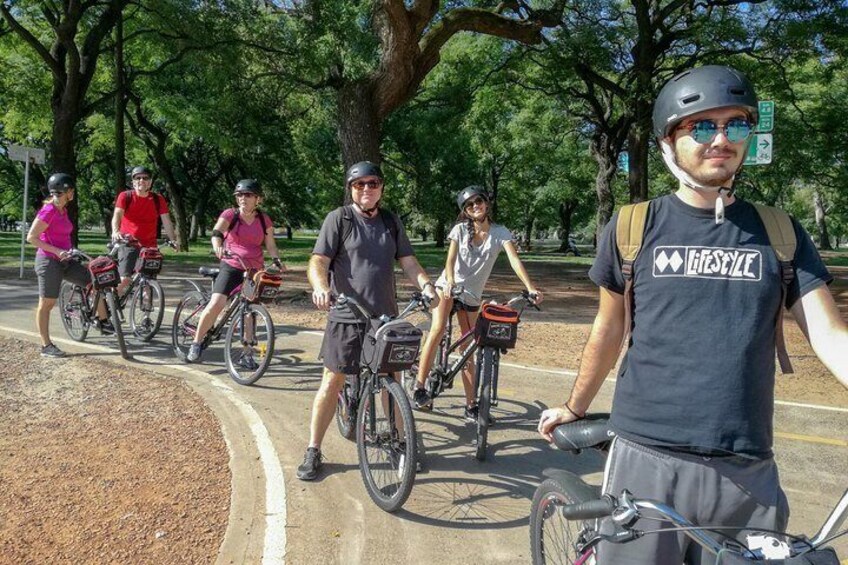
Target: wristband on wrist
<point>426,284</point>
<point>573,413</point>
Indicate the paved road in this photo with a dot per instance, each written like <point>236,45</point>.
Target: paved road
<point>460,509</point>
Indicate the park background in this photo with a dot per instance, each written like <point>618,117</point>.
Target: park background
<point>545,103</point>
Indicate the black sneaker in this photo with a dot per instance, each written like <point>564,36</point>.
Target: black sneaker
<point>51,350</point>
<point>308,470</point>
<point>105,327</point>
<point>471,414</point>
<point>422,399</point>
<point>194,353</point>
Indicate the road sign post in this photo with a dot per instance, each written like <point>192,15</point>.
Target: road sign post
<point>27,155</point>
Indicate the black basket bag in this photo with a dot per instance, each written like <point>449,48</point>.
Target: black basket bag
<point>497,326</point>
<point>391,347</point>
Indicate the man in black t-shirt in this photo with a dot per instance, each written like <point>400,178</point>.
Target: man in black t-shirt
<point>361,257</point>
<point>694,397</point>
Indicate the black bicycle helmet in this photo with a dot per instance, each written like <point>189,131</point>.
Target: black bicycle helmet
<point>363,169</point>
<point>140,170</point>
<point>59,183</point>
<point>470,192</point>
<point>250,186</point>
<point>704,88</point>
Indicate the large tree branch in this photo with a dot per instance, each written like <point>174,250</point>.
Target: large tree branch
<point>32,41</point>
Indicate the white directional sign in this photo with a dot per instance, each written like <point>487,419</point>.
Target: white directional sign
<point>20,153</point>
<point>760,150</point>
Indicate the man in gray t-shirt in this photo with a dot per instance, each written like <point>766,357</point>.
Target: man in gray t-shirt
<point>354,255</point>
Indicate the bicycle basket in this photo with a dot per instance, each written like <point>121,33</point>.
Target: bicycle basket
<point>497,326</point>
<point>104,272</point>
<point>825,556</point>
<point>149,262</point>
<point>266,284</point>
<point>391,347</point>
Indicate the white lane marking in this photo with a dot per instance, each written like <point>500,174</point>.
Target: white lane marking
<point>274,552</point>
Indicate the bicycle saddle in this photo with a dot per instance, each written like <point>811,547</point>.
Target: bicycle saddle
<point>210,272</point>
<point>591,431</point>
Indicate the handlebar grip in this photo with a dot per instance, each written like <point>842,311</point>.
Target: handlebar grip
<point>590,509</point>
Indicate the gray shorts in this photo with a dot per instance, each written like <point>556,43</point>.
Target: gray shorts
<point>342,347</point>
<point>51,272</point>
<point>708,491</point>
<point>127,258</point>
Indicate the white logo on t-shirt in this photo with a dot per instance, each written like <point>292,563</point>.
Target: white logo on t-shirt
<point>708,262</point>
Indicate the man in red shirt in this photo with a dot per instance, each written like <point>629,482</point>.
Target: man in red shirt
<point>137,213</point>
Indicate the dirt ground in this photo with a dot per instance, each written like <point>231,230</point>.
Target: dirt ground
<point>102,465</point>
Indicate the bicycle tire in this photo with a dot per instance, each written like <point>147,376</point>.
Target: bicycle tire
<point>72,299</point>
<point>553,538</point>
<point>484,403</point>
<point>346,413</point>
<point>112,305</point>
<point>151,314</point>
<point>263,349</point>
<point>186,317</point>
<point>390,474</point>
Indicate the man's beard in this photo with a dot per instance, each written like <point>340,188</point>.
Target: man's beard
<point>720,176</point>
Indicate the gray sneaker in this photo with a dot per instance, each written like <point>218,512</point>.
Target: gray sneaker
<point>308,470</point>
<point>246,361</point>
<point>194,353</point>
<point>51,350</point>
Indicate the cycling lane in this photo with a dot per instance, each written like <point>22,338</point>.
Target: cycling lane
<point>459,507</point>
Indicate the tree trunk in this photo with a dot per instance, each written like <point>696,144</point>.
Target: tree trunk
<point>528,233</point>
<point>566,213</point>
<point>603,188</point>
<point>64,156</point>
<point>120,108</point>
<point>637,142</point>
<point>821,223</point>
<point>439,235</point>
<point>359,125</point>
<point>289,232</point>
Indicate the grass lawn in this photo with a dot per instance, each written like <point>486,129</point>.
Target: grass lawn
<point>295,252</point>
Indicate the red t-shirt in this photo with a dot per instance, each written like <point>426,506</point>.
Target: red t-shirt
<point>140,216</point>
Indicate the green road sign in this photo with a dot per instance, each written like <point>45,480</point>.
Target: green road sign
<point>760,150</point>
<point>766,110</point>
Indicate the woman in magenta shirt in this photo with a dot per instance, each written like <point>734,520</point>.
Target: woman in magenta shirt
<point>243,231</point>
<point>51,234</point>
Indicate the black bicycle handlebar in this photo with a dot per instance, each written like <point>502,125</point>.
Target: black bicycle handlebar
<point>590,509</point>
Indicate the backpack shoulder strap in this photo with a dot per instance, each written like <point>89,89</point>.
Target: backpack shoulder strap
<point>234,221</point>
<point>263,222</point>
<point>781,235</point>
<point>157,202</point>
<point>127,196</point>
<point>629,232</point>
<point>780,231</point>
<point>390,222</point>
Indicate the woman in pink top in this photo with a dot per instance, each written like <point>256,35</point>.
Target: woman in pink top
<point>51,234</point>
<point>242,231</point>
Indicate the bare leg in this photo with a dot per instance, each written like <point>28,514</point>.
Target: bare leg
<point>324,406</point>
<point>209,315</point>
<point>466,322</point>
<point>437,330</point>
<point>42,319</point>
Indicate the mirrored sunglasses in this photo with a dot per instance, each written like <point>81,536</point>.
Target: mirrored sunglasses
<point>360,185</point>
<point>736,130</point>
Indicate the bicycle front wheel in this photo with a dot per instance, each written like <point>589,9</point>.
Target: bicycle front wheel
<point>112,305</point>
<point>186,319</point>
<point>385,441</point>
<point>484,402</point>
<point>249,344</point>
<point>147,307</point>
<point>553,538</point>
<point>73,309</point>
